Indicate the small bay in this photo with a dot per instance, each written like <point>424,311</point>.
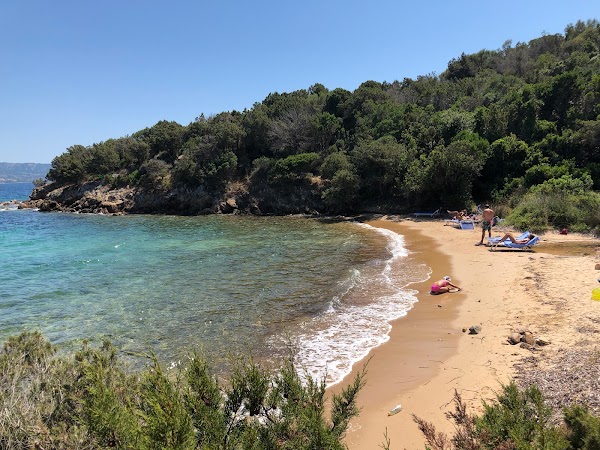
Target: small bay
<point>224,284</point>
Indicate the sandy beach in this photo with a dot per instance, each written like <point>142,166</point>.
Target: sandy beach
<point>429,356</point>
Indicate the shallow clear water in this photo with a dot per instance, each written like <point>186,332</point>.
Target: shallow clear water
<point>226,284</point>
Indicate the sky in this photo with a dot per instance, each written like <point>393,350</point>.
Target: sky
<point>81,72</point>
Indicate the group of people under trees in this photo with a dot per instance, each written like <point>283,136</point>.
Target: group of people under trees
<point>460,215</point>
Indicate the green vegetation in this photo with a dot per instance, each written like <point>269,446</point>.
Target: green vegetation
<point>516,419</point>
<point>89,401</point>
<point>518,126</point>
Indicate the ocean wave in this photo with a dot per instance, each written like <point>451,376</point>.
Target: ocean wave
<point>358,319</point>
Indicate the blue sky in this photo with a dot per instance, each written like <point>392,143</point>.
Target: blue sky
<point>81,72</point>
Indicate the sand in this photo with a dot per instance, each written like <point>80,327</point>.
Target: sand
<point>429,356</point>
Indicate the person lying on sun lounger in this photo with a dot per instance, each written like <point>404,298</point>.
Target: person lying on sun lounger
<point>443,285</point>
<point>458,215</point>
<point>511,238</point>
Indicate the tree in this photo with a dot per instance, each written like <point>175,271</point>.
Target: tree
<point>164,140</point>
<point>70,166</point>
<point>341,194</point>
<point>325,128</point>
<point>104,159</point>
<point>132,152</point>
<point>291,132</point>
<point>381,165</point>
<point>255,142</point>
<point>335,162</point>
<point>204,163</point>
<point>156,174</point>
<point>505,162</point>
<point>447,174</point>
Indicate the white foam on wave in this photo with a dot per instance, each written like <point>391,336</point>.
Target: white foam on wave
<point>395,246</point>
<point>329,345</point>
<point>330,353</point>
<point>346,286</point>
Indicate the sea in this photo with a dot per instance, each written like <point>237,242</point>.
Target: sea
<point>220,285</point>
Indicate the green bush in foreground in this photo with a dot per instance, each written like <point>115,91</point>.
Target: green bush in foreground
<point>516,419</point>
<point>89,401</point>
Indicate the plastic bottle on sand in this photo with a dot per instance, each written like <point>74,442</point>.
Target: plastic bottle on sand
<point>395,410</point>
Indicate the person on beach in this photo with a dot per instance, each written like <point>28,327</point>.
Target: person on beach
<point>443,285</point>
<point>488,217</point>
<point>511,238</point>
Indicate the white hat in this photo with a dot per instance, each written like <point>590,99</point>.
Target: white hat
<point>447,278</point>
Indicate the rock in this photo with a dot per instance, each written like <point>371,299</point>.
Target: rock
<point>514,338</point>
<point>49,205</point>
<point>528,338</point>
<point>475,329</point>
<point>526,346</point>
<point>597,266</point>
<point>228,206</point>
<point>541,342</point>
<point>111,207</point>
<point>299,197</point>
<point>231,203</point>
<point>89,203</point>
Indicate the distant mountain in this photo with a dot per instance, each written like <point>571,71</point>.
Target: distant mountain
<point>22,172</point>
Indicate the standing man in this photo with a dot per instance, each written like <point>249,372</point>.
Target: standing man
<point>488,217</point>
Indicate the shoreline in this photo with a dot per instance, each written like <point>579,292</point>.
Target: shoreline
<point>419,342</point>
<point>428,356</point>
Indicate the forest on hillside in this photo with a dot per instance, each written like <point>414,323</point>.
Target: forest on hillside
<point>518,126</point>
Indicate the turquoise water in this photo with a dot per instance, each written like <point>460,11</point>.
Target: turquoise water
<point>225,284</point>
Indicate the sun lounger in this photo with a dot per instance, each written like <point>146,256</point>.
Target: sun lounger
<point>496,239</point>
<point>428,214</point>
<point>462,224</point>
<point>512,245</point>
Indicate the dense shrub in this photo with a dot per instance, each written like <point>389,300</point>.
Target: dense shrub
<point>541,209</point>
<point>262,169</point>
<point>89,401</point>
<point>155,174</point>
<point>333,163</point>
<point>341,193</point>
<point>515,419</point>
<point>584,428</point>
<point>295,166</point>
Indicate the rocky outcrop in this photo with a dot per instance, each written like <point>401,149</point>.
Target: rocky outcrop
<point>301,197</point>
<point>93,197</point>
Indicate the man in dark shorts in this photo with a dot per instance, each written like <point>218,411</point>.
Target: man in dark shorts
<point>486,224</point>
